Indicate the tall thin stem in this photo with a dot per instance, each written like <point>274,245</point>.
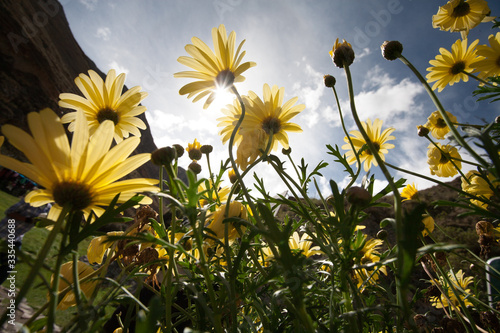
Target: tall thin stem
<point>54,293</point>
<point>348,138</point>
<point>443,114</point>
<point>401,289</point>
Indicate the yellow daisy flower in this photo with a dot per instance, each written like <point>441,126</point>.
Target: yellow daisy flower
<point>266,255</point>
<point>368,254</point>
<point>378,139</point>
<point>429,224</point>
<point>460,15</point>
<point>82,175</point>
<point>104,101</point>
<point>67,279</point>
<point>304,244</point>
<point>458,280</point>
<point>263,117</point>
<point>439,160</point>
<point>449,67</point>
<point>437,126</point>
<point>410,192</point>
<point>222,193</point>
<point>490,64</point>
<point>212,70</point>
<point>236,209</point>
<point>478,186</point>
<point>194,151</point>
<point>99,246</point>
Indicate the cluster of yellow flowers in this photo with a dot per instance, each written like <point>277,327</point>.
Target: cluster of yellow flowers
<point>462,61</point>
<point>84,175</point>
<point>264,121</point>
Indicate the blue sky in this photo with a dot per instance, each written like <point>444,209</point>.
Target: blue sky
<point>289,40</point>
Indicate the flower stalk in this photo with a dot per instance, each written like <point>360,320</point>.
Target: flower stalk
<point>401,289</point>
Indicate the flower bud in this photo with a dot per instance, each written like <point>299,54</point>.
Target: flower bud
<point>195,154</point>
<point>342,54</point>
<point>329,81</point>
<point>163,156</point>
<point>179,150</point>
<point>420,320</point>
<point>382,234</point>
<point>358,196</point>
<point>286,151</point>
<point>206,149</point>
<point>391,50</point>
<point>232,176</point>
<point>422,131</point>
<point>194,151</point>
<point>195,167</point>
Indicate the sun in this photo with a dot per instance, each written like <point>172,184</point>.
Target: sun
<point>223,97</point>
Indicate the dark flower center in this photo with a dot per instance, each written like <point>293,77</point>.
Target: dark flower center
<point>224,79</point>
<point>457,67</point>
<point>498,62</point>
<point>271,124</point>
<point>74,194</point>
<point>440,123</point>
<point>108,114</point>
<point>462,9</point>
<point>445,158</point>
<point>376,145</point>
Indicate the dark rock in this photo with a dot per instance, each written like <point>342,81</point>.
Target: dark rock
<point>39,59</point>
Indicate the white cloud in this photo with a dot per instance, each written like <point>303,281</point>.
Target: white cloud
<point>103,33</point>
<point>310,89</point>
<point>366,51</point>
<point>160,121</point>
<point>330,116</point>
<point>385,98</point>
<point>90,4</point>
<point>119,69</point>
<point>378,185</point>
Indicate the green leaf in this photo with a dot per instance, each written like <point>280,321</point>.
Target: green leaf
<point>109,215</point>
<point>148,323</point>
<point>412,228</point>
<point>399,183</point>
<point>340,158</point>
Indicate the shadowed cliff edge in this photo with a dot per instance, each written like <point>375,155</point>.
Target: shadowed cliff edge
<point>39,59</point>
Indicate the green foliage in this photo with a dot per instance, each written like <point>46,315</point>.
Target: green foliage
<point>249,261</point>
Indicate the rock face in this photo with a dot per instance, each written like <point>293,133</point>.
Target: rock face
<point>39,59</point>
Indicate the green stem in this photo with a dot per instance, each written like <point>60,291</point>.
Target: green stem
<point>349,139</point>
<point>206,274</point>
<point>479,79</point>
<point>213,180</point>
<point>54,293</point>
<point>160,200</point>
<point>401,289</point>
<point>76,280</point>
<point>443,113</point>
<point>237,172</point>
<point>470,196</point>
